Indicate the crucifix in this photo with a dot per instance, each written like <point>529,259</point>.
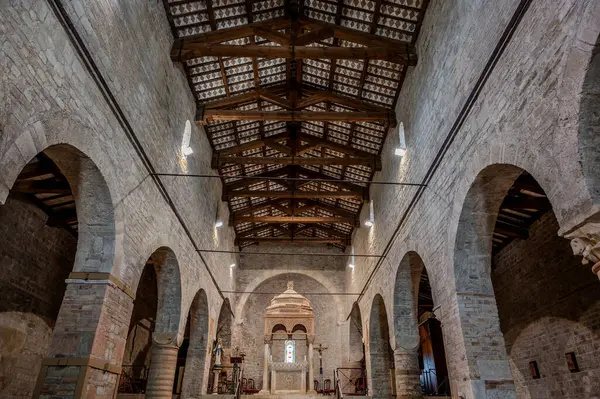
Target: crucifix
<point>320,349</point>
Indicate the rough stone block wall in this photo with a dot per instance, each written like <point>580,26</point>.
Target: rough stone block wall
<point>549,305</point>
<point>35,260</point>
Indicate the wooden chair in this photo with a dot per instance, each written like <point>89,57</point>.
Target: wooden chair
<point>327,387</point>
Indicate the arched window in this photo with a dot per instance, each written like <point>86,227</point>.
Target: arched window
<point>185,142</point>
<point>401,149</point>
<point>290,351</point>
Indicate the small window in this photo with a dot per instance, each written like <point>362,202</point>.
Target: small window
<point>401,149</point>
<point>290,351</point>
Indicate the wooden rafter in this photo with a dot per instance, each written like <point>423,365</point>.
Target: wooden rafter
<point>291,116</point>
<point>294,194</point>
<point>279,84</point>
<point>373,161</point>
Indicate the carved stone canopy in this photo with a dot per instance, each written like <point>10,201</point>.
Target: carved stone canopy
<point>290,311</point>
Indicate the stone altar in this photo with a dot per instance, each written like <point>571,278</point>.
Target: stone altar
<point>288,377</point>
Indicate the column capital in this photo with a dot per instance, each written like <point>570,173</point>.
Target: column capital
<point>267,339</point>
<point>168,339</point>
<point>585,242</point>
<point>310,339</point>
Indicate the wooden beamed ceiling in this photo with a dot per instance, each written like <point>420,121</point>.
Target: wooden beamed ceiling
<point>297,98</point>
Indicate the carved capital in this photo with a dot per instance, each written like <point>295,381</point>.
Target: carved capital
<point>310,338</point>
<point>267,339</point>
<point>165,339</point>
<point>585,242</point>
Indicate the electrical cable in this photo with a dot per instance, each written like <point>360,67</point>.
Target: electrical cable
<point>458,123</point>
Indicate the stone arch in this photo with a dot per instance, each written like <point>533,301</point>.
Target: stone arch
<point>267,274</point>
<point>381,360</point>
<point>91,247</point>
<point>483,341</point>
<point>225,323</point>
<point>195,380</point>
<point>356,350</point>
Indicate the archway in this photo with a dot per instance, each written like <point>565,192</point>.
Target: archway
<point>512,272</point>
<point>47,227</point>
<point>195,347</point>
<point>224,335</point>
<point>354,378</point>
<point>419,354</point>
<point>380,352</point>
<point>249,327</point>
<point>154,338</point>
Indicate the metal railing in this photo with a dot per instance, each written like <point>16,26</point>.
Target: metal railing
<point>353,381</point>
<point>239,388</point>
<point>133,379</point>
<point>339,394</point>
<point>431,386</point>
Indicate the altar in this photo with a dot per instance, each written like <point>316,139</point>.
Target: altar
<point>288,377</point>
<point>289,318</point>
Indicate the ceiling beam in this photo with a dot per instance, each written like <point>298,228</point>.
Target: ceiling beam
<point>190,51</point>
<point>373,161</point>
<point>293,194</point>
<point>327,95</point>
<point>251,145</point>
<point>289,116</point>
<point>292,219</point>
<point>224,35</point>
<point>314,36</point>
<point>41,186</point>
<point>344,149</point>
<point>366,39</point>
<point>272,35</point>
<point>297,240</point>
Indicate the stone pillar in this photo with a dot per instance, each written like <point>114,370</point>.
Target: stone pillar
<point>408,382</point>
<point>585,241</point>
<point>163,362</point>
<point>84,359</point>
<point>265,383</point>
<point>311,371</point>
<point>215,386</point>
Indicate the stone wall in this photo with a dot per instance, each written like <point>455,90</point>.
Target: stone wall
<point>526,114</point>
<point>548,305</point>
<point>35,260</point>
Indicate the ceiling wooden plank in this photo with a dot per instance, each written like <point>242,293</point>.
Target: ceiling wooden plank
<point>291,116</point>
<point>297,240</point>
<point>291,219</point>
<point>313,36</point>
<point>294,194</point>
<point>373,161</point>
<point>190,51</point>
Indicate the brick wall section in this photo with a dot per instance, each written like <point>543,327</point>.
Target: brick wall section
<point>35,260</point>
<point>549,305</point>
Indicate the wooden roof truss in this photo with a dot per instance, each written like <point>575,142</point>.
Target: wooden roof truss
<point>295,89</point>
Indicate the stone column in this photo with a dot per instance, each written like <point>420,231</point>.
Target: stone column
<point>585,241</point>
<point>311,372</point>
<point>84,358</point>
<point>265,383</point>
<point>163,362</point>
<point>408,383</point>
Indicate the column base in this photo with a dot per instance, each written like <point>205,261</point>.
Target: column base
<point>264,392</point>
<point>311,392</point>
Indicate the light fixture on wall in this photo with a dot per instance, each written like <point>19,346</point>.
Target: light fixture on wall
<point>218,221</point>
<point>351,264</point>
<point>232,266</point>
<point>185,142</point>
<point>401,149</point>
<point>371,220</point>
